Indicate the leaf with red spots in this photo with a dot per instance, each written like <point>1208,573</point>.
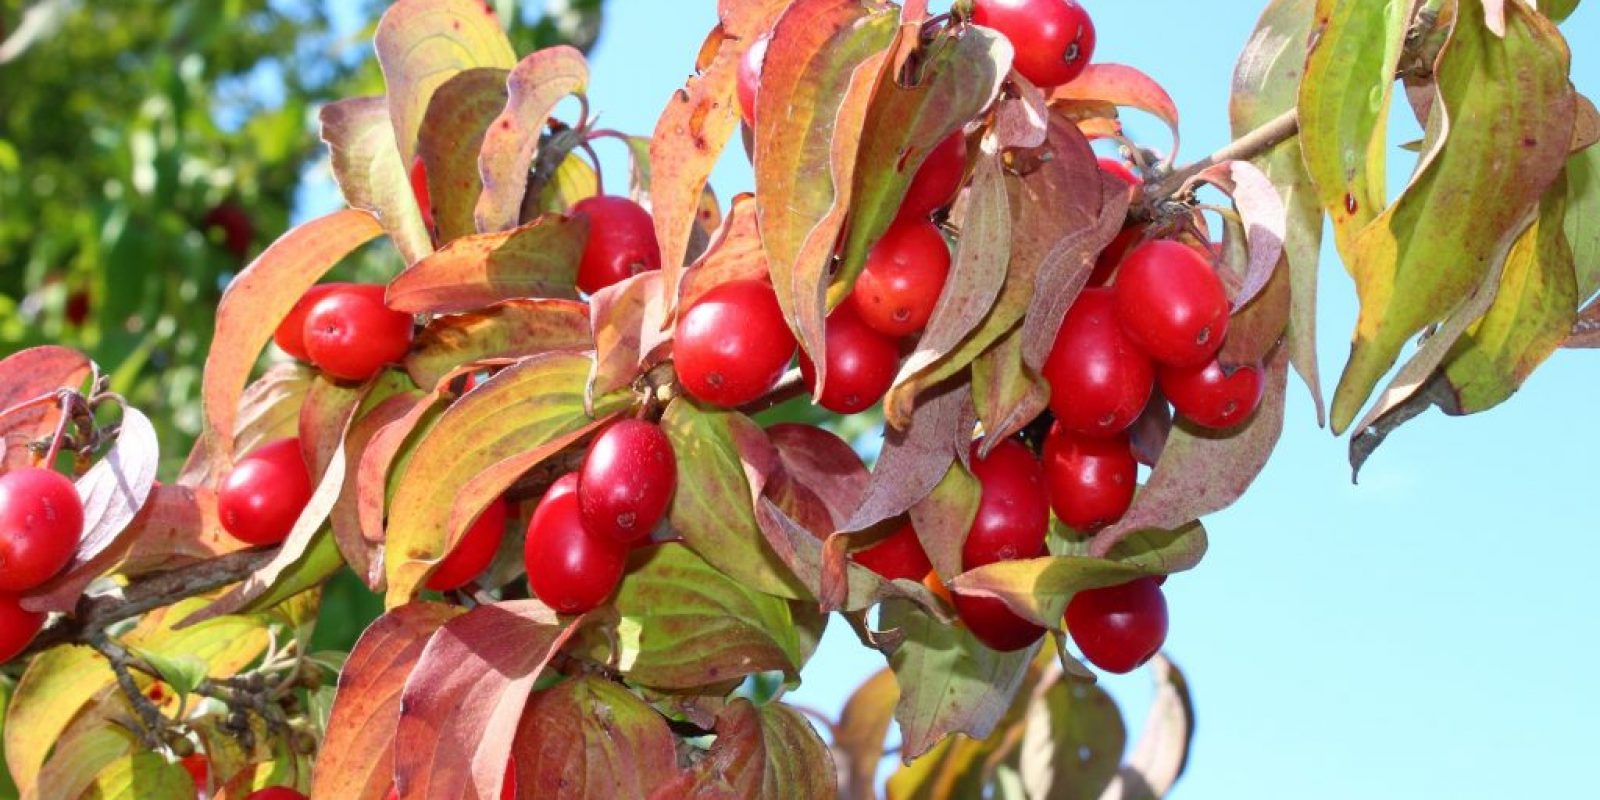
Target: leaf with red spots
<point>628,320</point>
<point>589,737</point>
<point>504,331</point>
<point>367,167</point>
<point>539,259</point>
<point>32,373</point>
<point>451,138</point>
<point>533,89</point>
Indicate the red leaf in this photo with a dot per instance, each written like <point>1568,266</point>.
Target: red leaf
<point>734,253</point>
<point>771,752</point>
<point>510,330</point>
<point>31,373</point>
<point>915,459</point>
<point>539,259</point>
<point>589,737</point>
<point>627,319</point>
<point>533,89</point>
<point>358,552</point>
<point>1123,86</point>
<point>824,464</point>
<point>1065,267</point>
<point>1264,216</point>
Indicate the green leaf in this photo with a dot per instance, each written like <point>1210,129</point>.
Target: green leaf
<point>533,89</point>
<point>1072,742</point>
<point>943,518</point>
<point>821,68</point>
<point>589,737</point>
<point>1426,254</point>
<point>367,167</point>
<point>685,625</point>
<point>509,330</point>
<point>1007,395</point>
<point>83,751</point>
<point>449,142</point>
<point>181,671</point>
<point>539,259</point>
<point>1583,219</point>
<point>142,776</point>
<point>1162,751</point>
<point>1558,10</point>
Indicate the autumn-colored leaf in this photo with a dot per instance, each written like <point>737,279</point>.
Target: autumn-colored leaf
<point>539,259</point>
<point>450,140</point>
<point>943,518</point>
<point>268,410</point>
<point>589,737</point>
<point>367,167</point>
<point>1007,395</point>
<point>1125,86</point>
<point>32,373</point>
<point>914,459</point>
<point>345,517</point>
<point>510,330</point>
<point>1162,750</point>
<point>533,89</point>
<point>1262,213</point>
<point>863,727</point>
<point>141,776</point>
<point>628,320</point>
<point>769,751</point>
<point>1072,741</point>
<point>734,252</point>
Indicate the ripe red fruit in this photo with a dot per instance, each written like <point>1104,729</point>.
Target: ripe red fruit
<point>733,344</point>
<point>899,556</point>
<point>627,481</point>
<point>1013,510</point>
<point>750,77</point>
<point>1054,39</point>
<point>1119,170</point>
<point>569,568</point>
<point>291,333</point>
<point>276,793</point>
<point>261,499</point>
<point>1212,397</point>
<point>41,523</point>
<point>1105,266</point>
<point>1099,379</point>
<point>937,180</point>
<point>199,769</point>
<point>474,551</point>
<point>18,626</point>
<point>419,188</point>
<point>903,278</point>
<point>621,244</point>
<point>1119,628</point>
<point>861,364</point>
<point>350,333</point>
<point>78,308</point>
<point>1091,479</point>
<point>996,625</point>
<point>1172,303</point>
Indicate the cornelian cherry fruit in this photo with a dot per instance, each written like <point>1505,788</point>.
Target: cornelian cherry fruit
<point>1118,628</point>
<point>1013,509</point>
<point>291,333</point>
<point>627,481</point>
<point>350,334</point>
<point>733,344</point>
<point>18,626</point>
<point>904,276</point>
<point>996,625</point>
<point>937,180</point>
<point>898,556</point>
<point>1091,479</point>
<point>750,77</point>
<point>861,363</point>
<point>570,569</point>
<point>41,523</point>
<point>419,189</point>
<point>262,497</point>
<point>1054,39</point>
<point>473,553</point>
<point>276,793</point>
<point>1171,303</point>
<point>621,244</point>
<point>1099,379</point>
<point>1211,396</point>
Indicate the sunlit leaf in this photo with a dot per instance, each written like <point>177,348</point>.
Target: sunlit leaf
<point>1125,86</point>
<point>367,167</point>
<point>733,253</point>
<point>539,259</point>
<point>32,373</point>
<point>449,142</point>
<point>589,737</point>
<point>142,776</point>
<point>628,320</point>
<point>533,89</point>
<point>509,330</point>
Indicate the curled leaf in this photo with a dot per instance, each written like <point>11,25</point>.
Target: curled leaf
<point>533,89</point>
<point>367,167</point>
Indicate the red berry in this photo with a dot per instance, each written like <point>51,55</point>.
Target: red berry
<point>1013,510</point>
<point>291,333</point>
<point>622,242</point>
<point>199,769</point>
<point>78,308</point>
<point>472,554</point>
<point>570,569</point>
<point>903,278</point>
<point>237,229</point>
<point>627,481</point>
<point>350,333</point>
<point>1054,39</point>
<point>1172,303</point>
<point>733,344</point>
<point>1091,479</point>
<point>899,556</point>
<point>419,188</point>
<point>750,77</point>
<point>508,787</point>
<point>1105,267</point>
<point>276,793</point>
<point>1099,379</point>
<point>996,625</point>
<point>261,499</point>
<point>937,180</point>
<point>861,364</point>
<point>1212,397</point>
<point>1120,171</point>
<point>1119,628</point>
<point>18,626</point>
<point>41,523</point>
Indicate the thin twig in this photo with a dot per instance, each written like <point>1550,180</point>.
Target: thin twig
<point>1246,147</point>
<point>150,716</point>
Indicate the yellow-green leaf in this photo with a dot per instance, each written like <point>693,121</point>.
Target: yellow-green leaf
<point>142,776</point>
<point>451,137</point>
<point>367,167</point>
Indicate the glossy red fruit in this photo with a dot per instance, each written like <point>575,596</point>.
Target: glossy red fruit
<point>569,568</point>
<point>419,189</point>
<point>199,769</point>
<point>1119,170</point>
<point>1090,479</point>
<point>508,787</point>
<point>899,556</point>
<point>1013,509</point>
<point>350,334</point>
<point>41,523</point>
<point>234,223</point>
<point>18,626</point>
<point>473,553</point>
<point>1105,266</point>
<point>1099,379</point>
<point>621,244</point>
<point>1172,303</point>
<point>861,364</point>
<point>276,793</point>
<point>1054,39</point>
<point>627,481</point>
<point>750,77</point>
<point>997,626</point>
<point>291,333</point>
<point>733,344</point>
<point>904,275</point>
<point>1119,628</point>
<point>937,180</point>
<point>1212,397</point>
<point>262,497</point>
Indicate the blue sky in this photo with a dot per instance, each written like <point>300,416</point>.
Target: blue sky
<point>1425,634</point>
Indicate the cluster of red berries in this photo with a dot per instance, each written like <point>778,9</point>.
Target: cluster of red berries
<point>41,524</point>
